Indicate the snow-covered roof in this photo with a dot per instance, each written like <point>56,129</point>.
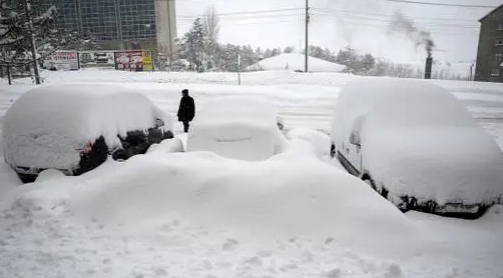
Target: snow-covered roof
<point>295,61</point>
<point>47,126</point>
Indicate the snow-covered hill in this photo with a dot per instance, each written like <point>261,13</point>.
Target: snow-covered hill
<point>295,61</point>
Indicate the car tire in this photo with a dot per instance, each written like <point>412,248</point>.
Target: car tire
<point>368,179</point>
<point>119,155</point>
<point>27,178</point>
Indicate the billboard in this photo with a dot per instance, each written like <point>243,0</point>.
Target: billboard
<point>96,58</point>
<point>134,60</point>
<point>62,60</point>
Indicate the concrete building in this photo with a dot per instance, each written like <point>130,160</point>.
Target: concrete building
<point>122,24</point>
<point>490,51</point>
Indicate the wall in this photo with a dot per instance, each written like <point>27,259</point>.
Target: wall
<point>486,57</point>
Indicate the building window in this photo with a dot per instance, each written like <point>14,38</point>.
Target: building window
<point>499,42</point>
<point>500,26</point>
<point>495,72</point>
<point>498,57</point>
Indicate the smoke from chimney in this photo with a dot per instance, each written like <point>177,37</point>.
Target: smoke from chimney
<point>401,24</point>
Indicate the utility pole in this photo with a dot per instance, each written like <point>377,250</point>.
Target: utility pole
<point>471,71</point>
<point>306,54</point>
<point>239,69</point>
<point>27,9</point>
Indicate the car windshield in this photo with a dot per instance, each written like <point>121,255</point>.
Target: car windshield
<point>251,138</point>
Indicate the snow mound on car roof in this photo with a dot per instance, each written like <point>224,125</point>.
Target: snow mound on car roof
<point>242,127</point>
<point>47,126</point>
<point>419,140</point>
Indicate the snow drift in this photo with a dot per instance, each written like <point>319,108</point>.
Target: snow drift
<point>47,126</point>
<point>320,141</point>
<point>237,127</point>
<point>295,62</point>
<point>287,195</point>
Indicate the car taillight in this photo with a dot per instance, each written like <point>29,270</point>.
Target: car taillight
<point>87,148</point>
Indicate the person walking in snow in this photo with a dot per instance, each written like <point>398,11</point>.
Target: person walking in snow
<point>187,110</point>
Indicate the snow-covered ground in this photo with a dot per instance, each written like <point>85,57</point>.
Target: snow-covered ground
<point>199,215</point>
<point>295,62</point>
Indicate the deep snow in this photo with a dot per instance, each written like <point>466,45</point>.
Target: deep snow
<point>417,140</point>
<point>200,215</point>
<point>105,223</point>
<point>237,127</point>
<point>47,126</point>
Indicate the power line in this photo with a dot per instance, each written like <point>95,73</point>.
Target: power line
<point>388,15</point>
<point>430,24</point>
<point>249,17</point>
<point>246,13</point>
<point>441,4</point>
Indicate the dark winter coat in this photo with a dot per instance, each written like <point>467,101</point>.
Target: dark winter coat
<point>187,109</point>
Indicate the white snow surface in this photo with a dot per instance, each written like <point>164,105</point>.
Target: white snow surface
<point>48,228</point>
<point>418,140</point>
<point>319,140</point>
<point>201,215</point>
<point>241,127</point>
<point>47,126</point>
<point>169,145</point>
<point>295,62</point>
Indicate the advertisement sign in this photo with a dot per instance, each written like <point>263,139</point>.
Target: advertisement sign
<point>96,58</point>
<point>62,60</point>
<point>134,60</point>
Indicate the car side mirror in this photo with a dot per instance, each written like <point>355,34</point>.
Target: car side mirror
<point>355,139</point>
<point>355,136</point>
<point>159,123</point>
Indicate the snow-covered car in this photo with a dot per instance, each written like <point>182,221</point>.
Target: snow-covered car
<point>74,127</point>
<point>417,145</point>
<point>240,127</point>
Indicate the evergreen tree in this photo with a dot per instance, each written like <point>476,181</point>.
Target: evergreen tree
<point>15,31</point>
<point>268,53</point>
<point>192,46</point>
<point>367,63</point>
<point>289,49</point>
<point>276,51</point>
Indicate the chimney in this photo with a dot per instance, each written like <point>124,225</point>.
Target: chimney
<point>427,70</point>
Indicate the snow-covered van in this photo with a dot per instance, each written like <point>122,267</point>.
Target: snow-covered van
<point>241,127</point>
<point>74,127</point>
<point>418,146</point>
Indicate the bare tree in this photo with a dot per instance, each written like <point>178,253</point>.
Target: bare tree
<point>211,31</point>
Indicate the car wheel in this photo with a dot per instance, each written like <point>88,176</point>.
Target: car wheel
<point>366,178</point>
<point>119,155</point>
<point>27,178</point>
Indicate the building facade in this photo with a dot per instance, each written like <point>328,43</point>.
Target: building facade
<point>490,51</point>
<point>122,24</point>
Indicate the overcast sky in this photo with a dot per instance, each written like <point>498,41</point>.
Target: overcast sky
<point>363,24</point>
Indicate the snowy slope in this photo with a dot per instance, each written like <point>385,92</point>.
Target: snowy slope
<point>295,62</point>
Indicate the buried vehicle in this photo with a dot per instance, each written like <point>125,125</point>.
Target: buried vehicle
<point>74,127</point>
<point>417,145</point>
<point>240,127</point>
